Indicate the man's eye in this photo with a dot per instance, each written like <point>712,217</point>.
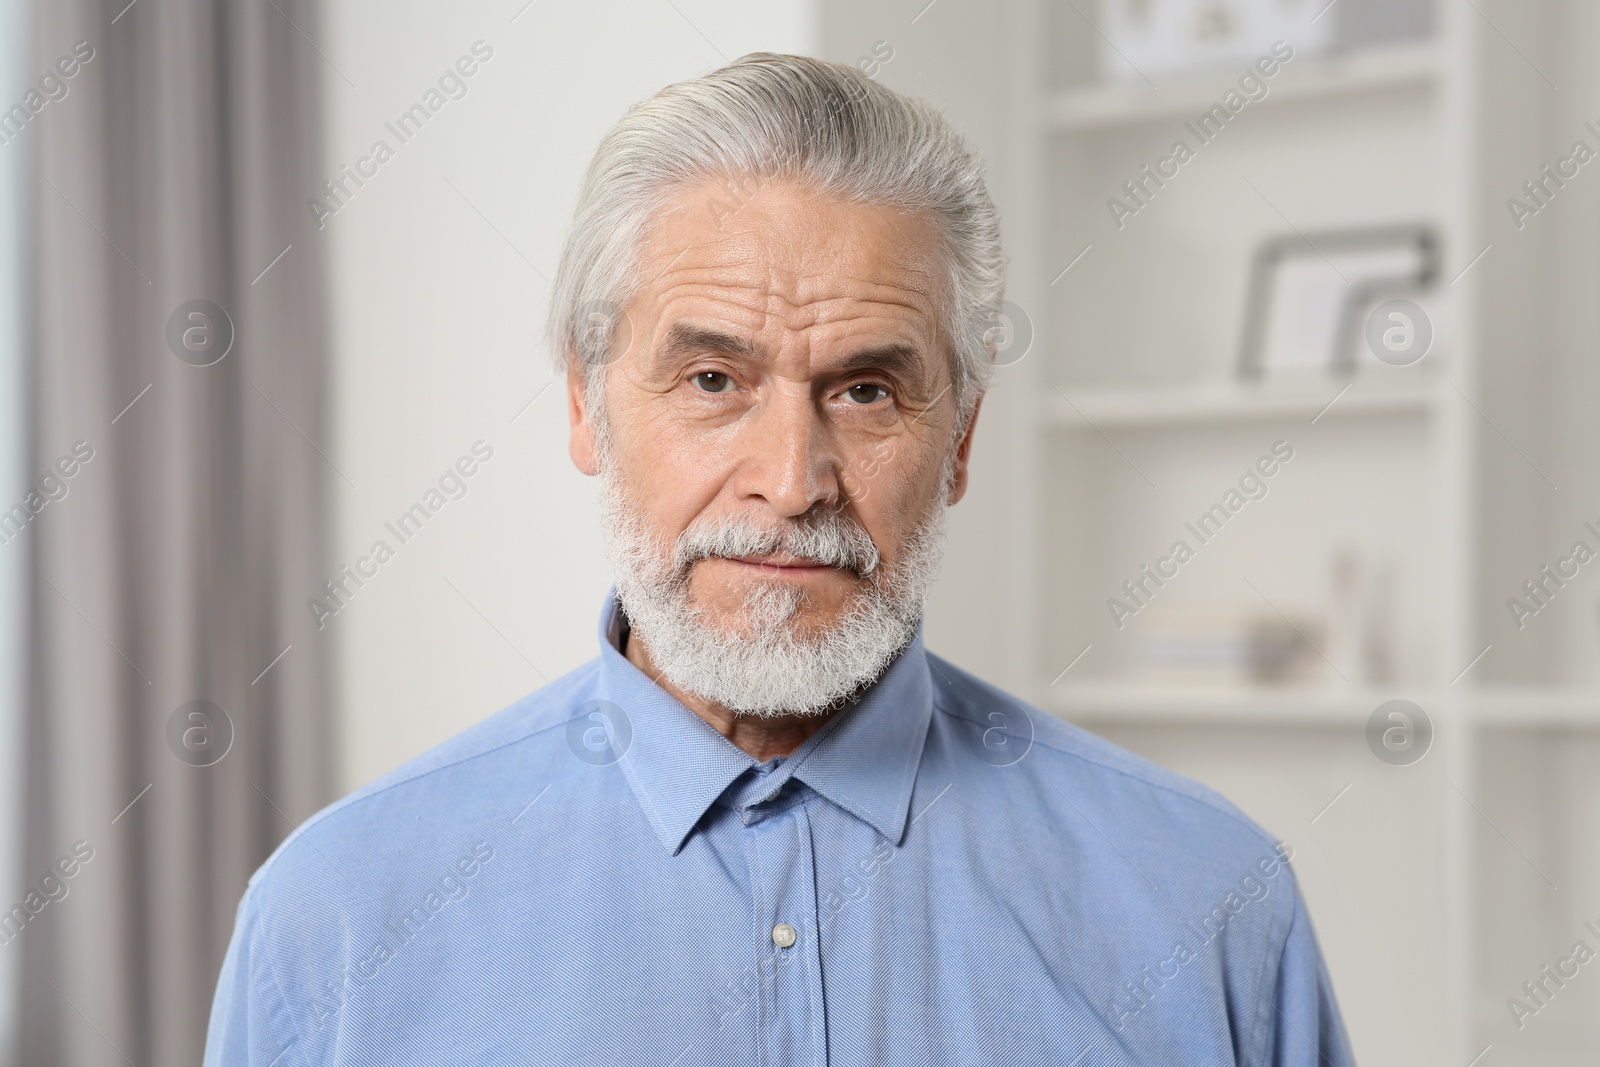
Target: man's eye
<point>867,392</point>
<point>713,381</point>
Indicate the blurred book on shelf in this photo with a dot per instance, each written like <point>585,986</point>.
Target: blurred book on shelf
<point>1225,646</point>
<point>1347,639</point>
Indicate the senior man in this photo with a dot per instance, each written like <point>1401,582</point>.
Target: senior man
<point>766,825</point>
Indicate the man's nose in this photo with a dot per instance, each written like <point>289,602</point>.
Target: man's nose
<point>788,455</point>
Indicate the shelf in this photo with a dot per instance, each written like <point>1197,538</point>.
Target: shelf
<point>1536,709</point>
<point>1219,705</point>
<point>1231,403</point>
<point>1140,703</point>
<point>1095,107</point>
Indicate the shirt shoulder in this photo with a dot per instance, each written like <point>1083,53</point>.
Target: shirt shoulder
<point>483,765</point>
<point>1097,779</point>
<point>1136,865</point>
<point>320,915</point>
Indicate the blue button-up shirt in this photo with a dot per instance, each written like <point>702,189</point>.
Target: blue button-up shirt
<point>941,874</point>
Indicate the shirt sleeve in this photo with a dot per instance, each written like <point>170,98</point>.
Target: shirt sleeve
<point>1304,1027</point>
<point>250,1023</point>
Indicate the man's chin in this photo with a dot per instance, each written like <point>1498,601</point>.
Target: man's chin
<point>776,655</point>
<point>798,627</point>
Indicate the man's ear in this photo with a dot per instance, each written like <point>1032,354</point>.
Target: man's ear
<point>580,445</point>
<point>963,453</point>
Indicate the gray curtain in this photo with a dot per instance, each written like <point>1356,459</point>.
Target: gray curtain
<point>173,564</point>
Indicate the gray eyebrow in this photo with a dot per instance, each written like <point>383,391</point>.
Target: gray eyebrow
<point>891,357</point>
<point>684,339</point>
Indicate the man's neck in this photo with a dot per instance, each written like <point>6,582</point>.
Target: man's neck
<point>761,736</point>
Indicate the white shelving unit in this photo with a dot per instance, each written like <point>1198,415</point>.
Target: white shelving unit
<point>1437,888</point>
<point>1375,69</point>
<point>1229,403</point>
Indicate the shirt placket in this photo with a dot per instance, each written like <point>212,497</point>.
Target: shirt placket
<point>791,1028</point>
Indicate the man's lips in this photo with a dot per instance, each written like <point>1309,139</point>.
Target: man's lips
<point>780,561</point>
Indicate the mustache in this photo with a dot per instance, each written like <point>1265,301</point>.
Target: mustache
<point>830,539</point>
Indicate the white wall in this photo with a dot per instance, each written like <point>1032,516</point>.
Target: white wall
<point>439,286</point>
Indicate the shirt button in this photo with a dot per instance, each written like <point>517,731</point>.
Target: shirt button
<point>783,935</point>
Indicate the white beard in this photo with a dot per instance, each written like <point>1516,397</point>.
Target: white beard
<point>758,665</point>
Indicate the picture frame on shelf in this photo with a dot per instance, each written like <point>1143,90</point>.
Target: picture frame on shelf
<point>1309,295</point>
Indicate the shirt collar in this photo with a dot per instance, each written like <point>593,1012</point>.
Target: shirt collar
<point>864,759</point>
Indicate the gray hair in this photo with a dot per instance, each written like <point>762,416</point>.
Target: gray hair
<point>767,116</point>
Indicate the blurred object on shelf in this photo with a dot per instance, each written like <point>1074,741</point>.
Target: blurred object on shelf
<point>1311,294</point>
<point>1148,38</point>
<point>1351,640</point>
<point>1226,645</point>
<point>1361,629</point>
<point>1369,22</point>
<point>1143,39</point>
<point>1379,663</point>
<point>1346,620</point>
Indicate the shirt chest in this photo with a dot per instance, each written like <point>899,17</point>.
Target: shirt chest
<point>796,934</point>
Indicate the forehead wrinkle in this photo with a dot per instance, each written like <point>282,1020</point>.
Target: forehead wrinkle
<point>914,254</point>
<point>828,303</point>
<point>743,271</point>
<point>843,331</point>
